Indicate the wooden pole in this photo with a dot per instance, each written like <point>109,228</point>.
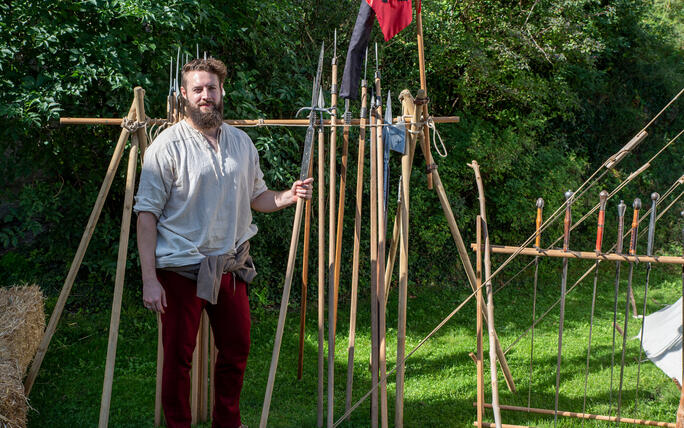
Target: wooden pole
<point>305,281</point>
<point>294,240</point>
<point>480,356</point>
<point>78,257</point>
<point>116,121</point>
<point>586,416</point>
<point>402,217</point>
<point>204,369</point>
<point>120,267</point>
<point>585,255</point>
<point>425,142</point>
<point>321,274</point>
<point>490,297</point>
<point>373,206</point>
<point>158,380</point>
<point>195,377</point>
<point>332,290</point>
<point>357,243</point>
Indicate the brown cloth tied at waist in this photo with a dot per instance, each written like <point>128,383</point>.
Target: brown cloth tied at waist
<point>208,273</point>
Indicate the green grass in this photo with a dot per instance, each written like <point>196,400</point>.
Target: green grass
<point>440,377</point>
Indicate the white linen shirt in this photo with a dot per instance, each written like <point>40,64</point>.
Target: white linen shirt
<point>200,196</point>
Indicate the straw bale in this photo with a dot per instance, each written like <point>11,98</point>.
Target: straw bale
<point>13,404</point>
<point>22,322</point>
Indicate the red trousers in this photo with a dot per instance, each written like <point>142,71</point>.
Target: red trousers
<point>230,323</point>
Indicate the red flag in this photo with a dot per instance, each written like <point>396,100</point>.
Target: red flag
<point>393,15</point>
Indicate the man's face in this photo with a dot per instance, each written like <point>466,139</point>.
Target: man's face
<point>204,94</point>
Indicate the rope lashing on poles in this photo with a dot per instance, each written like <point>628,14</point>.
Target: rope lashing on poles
<point>132,125</point>
<point>591,269</point>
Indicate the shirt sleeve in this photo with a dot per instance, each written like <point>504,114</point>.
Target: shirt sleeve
<point>259,183</point>
<point>156,181</point>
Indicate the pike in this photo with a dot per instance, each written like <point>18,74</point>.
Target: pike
<point>304,172</point>
<point>618,250</point>
<point>537,244</point>
<point>632,252</point>
<point>357,238</point>
<point>564,283</point>
<point>373,208</point>
<point>382,361</point>
<point>321,271</point>
<point>603,197</point>
<point>332,288</point>
<point>649,252</point>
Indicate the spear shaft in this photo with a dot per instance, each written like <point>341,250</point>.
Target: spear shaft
<point>618,250</point>
<point>649,252</point>
<point>632,252</point>
<point>564,283</point>
<point>537,243</point>
<point>599,241</point>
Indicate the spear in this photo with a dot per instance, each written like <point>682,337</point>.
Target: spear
<point>357,237</point>
<point>537,244</point>
<point>373,206</point>
<point>603,196</point>
<point>632,252</point>
<point>564,283</point>
<point>618,250</point>
<point>332,289</point>
<point>649,252</point>
<point>381,248</point>
<point>306,159</point>
<point>321,269</point>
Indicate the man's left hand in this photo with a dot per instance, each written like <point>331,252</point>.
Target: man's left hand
<point>302,189</point>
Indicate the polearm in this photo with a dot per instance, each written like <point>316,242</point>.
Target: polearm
<point>537,244</point>
<point>649,252</point>
<point>680,410</point>
<point>373,208</point>
<point>357,239</point>
<point>618,250</point>
<point>603,196</point>
<point>382,359</point>
<point>306,159</point>
<point>564,283</point>
<point>423,85</point>
<point>632,252</point>
<point>332,290</point>
<point>321,272</point>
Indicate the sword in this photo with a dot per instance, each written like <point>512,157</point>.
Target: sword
<point>537,244</point>
<point>306,159</point>
<point>603,196</point>
<point>632,252</point>
<point>564,283</point>
<point>649,252</point>
<point>618,250</point>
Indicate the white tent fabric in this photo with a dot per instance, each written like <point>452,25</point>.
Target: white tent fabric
<point>663,339</point>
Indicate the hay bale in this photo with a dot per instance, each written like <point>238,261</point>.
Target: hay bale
<point>22,321</point>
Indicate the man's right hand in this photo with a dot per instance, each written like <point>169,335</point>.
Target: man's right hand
<point>154,296</point>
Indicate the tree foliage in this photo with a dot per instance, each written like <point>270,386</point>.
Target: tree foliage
<point>546,90</point>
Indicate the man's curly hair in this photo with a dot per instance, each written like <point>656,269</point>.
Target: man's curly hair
<point>210,65</point>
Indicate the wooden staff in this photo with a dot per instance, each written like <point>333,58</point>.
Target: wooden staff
<point>332,291</point>
<point>537,244</point>
<point>357,244</point>
<point>382,358</point>
<point>480,356</point>
<point>321,274</point>
<point>425,142</point>
<point>490,295</point>
<point>121,263</point>
<point>78,257</point>
<point>586,255</point>
<point>305,281</point>
<point>158,375</point>
<point>407,106</point>
<point>373,205</point>
<point>680,409</point>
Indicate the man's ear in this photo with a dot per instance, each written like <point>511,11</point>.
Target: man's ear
<point>182,90</point>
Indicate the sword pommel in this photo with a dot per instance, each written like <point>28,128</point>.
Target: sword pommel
<point>655,196</point>
<point>622,208</point>
<point>568,195</point>
<point>540,203</point>
<point>637,204</point>
<point>603,197</point>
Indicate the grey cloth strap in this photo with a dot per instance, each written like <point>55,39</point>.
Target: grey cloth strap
<point>208,273</point>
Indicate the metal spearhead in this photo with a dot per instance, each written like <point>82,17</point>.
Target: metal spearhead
<point>177,64</point>
<point>308,141</point>
<point>171,88</point>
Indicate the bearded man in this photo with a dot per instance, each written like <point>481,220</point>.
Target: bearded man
<point>200,180</point>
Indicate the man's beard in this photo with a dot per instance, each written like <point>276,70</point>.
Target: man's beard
<point>205,120</point>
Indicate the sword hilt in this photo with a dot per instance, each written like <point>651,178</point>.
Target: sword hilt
<point>635,227</point>
<point>651,224</point>
<point>538,222</point>
<point>603,196</point>
<point>567,220</point>
<point>622,208</point>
